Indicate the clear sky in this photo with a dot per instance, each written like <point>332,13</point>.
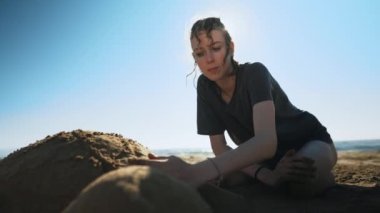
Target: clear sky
<point>120,66</point>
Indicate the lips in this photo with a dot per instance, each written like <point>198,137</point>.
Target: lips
<point>213,70</point>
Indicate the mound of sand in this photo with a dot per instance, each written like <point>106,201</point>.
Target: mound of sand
<point>47,175</point>
<point>138,189</point>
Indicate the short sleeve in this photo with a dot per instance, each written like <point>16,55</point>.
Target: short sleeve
<point>208,122</point>
<point>258,83</point>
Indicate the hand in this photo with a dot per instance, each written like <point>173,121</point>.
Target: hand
<point>155,157</point>
<point>294,169</point>
<point>171,165</point>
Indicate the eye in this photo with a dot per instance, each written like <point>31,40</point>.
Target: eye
<point>199,54</point>
<point>215,49</point>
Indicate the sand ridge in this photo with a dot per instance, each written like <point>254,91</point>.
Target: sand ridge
<point>46,175</point>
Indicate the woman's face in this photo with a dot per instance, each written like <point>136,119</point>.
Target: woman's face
<point>209,54</point>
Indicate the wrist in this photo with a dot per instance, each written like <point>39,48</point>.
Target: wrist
<point>219,176</point>
<point>199,173</point>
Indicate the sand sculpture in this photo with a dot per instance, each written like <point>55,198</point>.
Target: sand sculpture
<point>138,189</point>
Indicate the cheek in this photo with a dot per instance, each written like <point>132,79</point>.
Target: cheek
<point>220,56</point>
<point>201,66</point>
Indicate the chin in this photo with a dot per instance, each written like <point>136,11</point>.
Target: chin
<point>213,77</point>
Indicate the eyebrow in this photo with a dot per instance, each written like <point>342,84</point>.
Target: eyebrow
<point>215,42</point>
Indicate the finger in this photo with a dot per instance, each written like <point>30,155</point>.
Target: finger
<point>290,153</point>
<point>136,161</point>
<point>154,163</point>
<point>302,174</point>
<point>303,159</point>
<point>153,156</point>
<point>302,166</point>
<point>174,158</point>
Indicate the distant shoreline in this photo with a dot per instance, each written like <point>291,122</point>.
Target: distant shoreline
<point>350,145</point>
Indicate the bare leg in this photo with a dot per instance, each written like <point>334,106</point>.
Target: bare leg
<point>325,157</point>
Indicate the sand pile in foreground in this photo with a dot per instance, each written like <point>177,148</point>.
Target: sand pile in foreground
<point>138,189</point>
<point>45,176</point>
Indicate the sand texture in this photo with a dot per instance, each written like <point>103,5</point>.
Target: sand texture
<point>45,176</point>
<point>139,189</point>
<point>49,174</point>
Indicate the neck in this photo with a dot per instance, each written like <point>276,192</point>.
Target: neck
<point>227,84</point>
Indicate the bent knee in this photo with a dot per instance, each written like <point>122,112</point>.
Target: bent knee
<point>323,153</point>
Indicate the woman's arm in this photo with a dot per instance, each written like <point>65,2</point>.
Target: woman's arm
<point>270,177</point>
<point>219,144</point>
<point>259,148</point>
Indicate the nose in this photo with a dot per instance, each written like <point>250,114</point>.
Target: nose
<point>210,56</point>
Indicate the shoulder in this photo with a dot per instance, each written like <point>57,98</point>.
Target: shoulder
<point>254,71</point>
<point>203,84</point>
<point>254,68</point>
<point>202,79</point>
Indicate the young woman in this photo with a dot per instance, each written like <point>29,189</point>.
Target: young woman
<point>277,142</point>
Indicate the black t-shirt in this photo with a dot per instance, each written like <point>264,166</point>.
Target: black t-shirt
<point>254,84</point>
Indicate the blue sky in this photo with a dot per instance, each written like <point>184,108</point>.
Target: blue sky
<point>120,66</point>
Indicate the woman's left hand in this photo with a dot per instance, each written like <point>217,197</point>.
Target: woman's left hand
<point>172,165</point>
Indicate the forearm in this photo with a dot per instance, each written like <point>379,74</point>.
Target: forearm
<point>256,149</point>
<point>219,150</point>
<point>250,170</point>
<point>264,175</point>
<point>253,151</point>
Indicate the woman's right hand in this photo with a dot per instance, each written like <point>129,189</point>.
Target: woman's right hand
<point>293,168</point>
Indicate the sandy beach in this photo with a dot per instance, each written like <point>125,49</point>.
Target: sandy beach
<point>47,175</point>
<point>359,168</point>
<point>357,176</point>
